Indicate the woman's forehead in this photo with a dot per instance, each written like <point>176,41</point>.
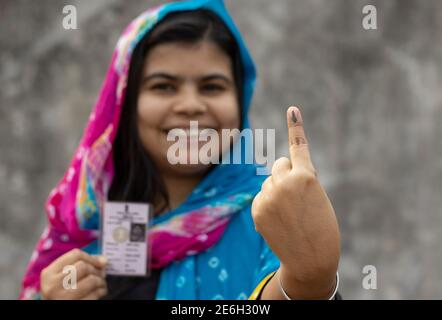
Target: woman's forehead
<point>190,59</point>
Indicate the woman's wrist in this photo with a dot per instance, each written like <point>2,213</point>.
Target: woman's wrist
<point>293,289</point>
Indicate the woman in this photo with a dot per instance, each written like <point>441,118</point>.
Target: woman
<point>220,231</point>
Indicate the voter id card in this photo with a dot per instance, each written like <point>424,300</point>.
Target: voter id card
<point>124,239</point>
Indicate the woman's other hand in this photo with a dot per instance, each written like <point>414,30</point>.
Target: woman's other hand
<point>90,282</point>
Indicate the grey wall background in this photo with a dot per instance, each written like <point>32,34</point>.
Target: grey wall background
<point>372,104</point>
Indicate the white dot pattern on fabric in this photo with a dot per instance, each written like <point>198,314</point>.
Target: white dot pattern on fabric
<point>47,244</point>
<point>242,296</point>
<point>71,174</point>
<point>213,262</point>
<point>223,275</point>
<point>64,237</point>
<point>53,192</point>
<point>51,211</point>
<point>29,293</point>
<point>62,188</point>
<point>34,256</point>
<point>180,281</point>
<point>210,193</point>
<point>80,153</point>
<point>203,237</point>
<point>45,232</point>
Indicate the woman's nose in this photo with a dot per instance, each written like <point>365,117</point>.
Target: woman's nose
<point>189,103</point>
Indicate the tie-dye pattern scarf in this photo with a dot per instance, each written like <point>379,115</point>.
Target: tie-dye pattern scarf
<point>74,207</point>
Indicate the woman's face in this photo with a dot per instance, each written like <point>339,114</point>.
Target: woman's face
<point>182,83</point>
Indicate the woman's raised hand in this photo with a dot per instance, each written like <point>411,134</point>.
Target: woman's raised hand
<point>294,215</point>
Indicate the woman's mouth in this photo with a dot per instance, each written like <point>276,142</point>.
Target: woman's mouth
<point>188,133</point>
<point>192,132</point>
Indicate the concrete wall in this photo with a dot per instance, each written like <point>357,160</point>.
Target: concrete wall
<point>371,100</point>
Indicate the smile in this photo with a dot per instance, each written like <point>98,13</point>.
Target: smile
<point>194,131</point>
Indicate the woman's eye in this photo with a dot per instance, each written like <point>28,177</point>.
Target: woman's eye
<point>163,87</point>
<point>212,88</point>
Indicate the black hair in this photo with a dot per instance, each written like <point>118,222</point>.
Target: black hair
<point>136,178</point>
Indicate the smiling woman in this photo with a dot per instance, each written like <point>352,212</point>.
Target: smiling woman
<point>179,63</point>
<point>186,69</point>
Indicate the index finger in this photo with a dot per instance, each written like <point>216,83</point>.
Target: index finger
<point>76,255</point>
<point>298,146</point>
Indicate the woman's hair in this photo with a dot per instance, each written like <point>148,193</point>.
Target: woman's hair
<point>136,178</point>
